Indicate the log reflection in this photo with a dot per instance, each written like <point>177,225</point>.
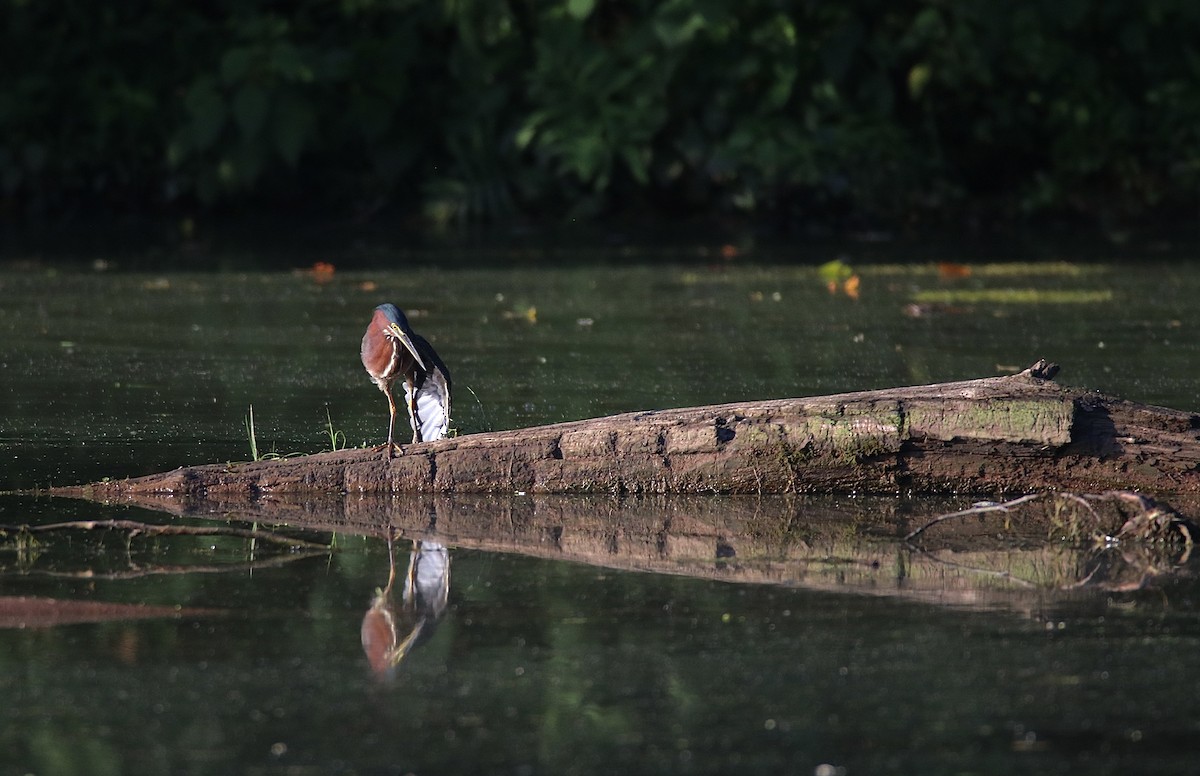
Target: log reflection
<point>1022,555</point>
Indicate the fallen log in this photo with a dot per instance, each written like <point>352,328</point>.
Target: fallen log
<point>1013,434</point>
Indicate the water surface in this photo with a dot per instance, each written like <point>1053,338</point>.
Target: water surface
<point>539,664</point>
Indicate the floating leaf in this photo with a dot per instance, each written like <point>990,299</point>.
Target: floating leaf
<point>1012,296</point>
<point>322,271</point>
<point>851,287</point>
<point>1001,269</point>
<point>836,271</point>
<point>948,270</point>
<point>521,312</point>
<point>1037,269</point>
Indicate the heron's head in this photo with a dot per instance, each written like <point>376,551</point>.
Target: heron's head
<point>395,330</point>
<point>394,316</point>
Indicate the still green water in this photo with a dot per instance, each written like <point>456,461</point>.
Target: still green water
<point>538,665</point>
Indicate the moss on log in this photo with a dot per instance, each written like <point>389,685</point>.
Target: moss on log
<point>994,435</point>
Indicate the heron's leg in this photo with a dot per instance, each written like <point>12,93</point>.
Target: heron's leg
<point>413,415</point>
<point>391,561</point>
<point>410,580</point>
<point>387,391</point>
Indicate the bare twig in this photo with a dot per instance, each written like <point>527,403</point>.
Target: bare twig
<point>981,509</point>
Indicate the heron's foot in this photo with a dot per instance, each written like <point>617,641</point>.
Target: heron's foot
<point>389,450</point>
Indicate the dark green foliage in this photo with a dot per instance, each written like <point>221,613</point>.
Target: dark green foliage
<point>468,110</point>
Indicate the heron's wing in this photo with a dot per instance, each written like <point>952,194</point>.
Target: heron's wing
<point>433,406</point>
<point>433,393</point>
<point>432,576</point>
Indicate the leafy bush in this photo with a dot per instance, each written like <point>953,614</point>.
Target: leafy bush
<point>486,110</point>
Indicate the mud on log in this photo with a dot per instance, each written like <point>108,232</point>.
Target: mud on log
<point>1019,433</point>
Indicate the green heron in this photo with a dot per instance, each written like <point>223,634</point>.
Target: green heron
<point>392,350</point>
<point>390,628</point>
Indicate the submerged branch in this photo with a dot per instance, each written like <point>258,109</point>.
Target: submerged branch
<point>136,528</point>
<point>164,570</point>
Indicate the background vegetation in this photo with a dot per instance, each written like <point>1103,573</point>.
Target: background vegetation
<point>469,111</point>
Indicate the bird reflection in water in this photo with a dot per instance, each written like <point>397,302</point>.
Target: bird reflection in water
<point>392,628</point>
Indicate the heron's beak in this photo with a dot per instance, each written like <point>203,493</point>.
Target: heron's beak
<point>399,334</point>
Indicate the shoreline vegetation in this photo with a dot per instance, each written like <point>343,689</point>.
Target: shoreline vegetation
<point>857,117</point>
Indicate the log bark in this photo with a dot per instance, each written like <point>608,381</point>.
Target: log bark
<point>998,435</point>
